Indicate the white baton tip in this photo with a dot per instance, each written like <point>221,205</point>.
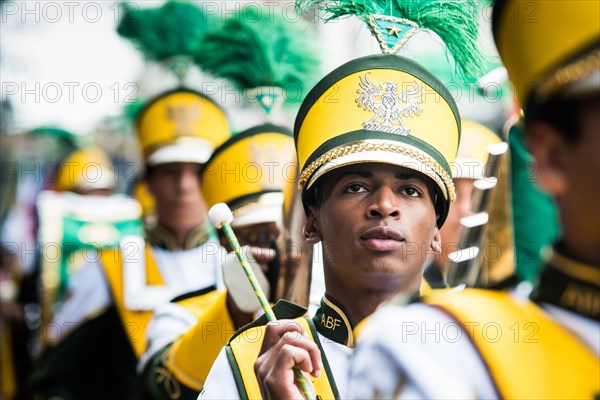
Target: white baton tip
<point>220,214</point>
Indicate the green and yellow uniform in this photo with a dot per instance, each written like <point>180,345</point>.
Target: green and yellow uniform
<point>102,324</point>
<point>200,323</point>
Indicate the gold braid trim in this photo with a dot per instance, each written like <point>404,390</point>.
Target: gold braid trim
<point>570,73</point>
<point>366,146</point>
<point>170,384</point>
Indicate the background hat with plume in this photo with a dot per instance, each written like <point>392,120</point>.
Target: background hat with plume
<point>180,123</point>
<point>267,57</point>
<point>169,34</point>
<point>166,37</point>
<point>272,62</point>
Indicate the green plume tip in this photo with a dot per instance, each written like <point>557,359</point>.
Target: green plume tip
<point>393,22</point>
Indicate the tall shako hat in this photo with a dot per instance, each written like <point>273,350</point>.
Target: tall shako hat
<point>249,173</point>
<point>73,175</point>
<point>271,61</point>
<point>387,108</point>
<point>556,51</point>
<point>180,124</point>
<point>473,155</point>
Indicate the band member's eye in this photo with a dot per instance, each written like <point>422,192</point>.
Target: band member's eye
<point>411,191</point>
<point>355,188</point>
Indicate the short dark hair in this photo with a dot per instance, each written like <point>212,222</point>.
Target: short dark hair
<point>313,196</point>
<point>562,114</point>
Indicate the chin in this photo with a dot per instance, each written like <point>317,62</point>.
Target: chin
<point>390,270</point>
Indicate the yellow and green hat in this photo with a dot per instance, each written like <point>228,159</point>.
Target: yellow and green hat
<point>249,172</point>
<point>86,169</point>
<point>181,125</point>
<point>388,108</point>
<point>473,153</point>
<point>385,109</point>
<point>549,46</point>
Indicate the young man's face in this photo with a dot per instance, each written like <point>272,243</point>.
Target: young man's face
<point>376,223</point>
<point>583,173</point>
<point>177,194</point>
<point>570,172</point>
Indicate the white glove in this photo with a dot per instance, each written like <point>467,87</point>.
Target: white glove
<point>237,282</point>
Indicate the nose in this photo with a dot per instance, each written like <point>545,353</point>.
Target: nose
<point>385,204</point>
<point>188,181</point>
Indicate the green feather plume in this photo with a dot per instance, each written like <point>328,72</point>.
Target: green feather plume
<point>174,29</point>
<point>339,8</point>
<point>131,111</point>
<point>456,22</point>
<point>258,49</point>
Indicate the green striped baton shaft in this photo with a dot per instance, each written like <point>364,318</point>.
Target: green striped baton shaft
<point>223,223</point>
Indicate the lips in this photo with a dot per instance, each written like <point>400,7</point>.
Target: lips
<point>382,238</point>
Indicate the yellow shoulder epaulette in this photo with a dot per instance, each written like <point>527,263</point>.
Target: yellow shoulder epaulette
<point>527,354</point>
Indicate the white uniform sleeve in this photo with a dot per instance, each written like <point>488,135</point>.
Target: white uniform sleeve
<point>417,352</point>
<point>88,294</point>
<point>220,383</point>
<point>169,322</point>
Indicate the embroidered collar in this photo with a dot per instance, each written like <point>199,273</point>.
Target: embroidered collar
<point>569,284</point>
<point>333,322</point>
<point>162,237</point>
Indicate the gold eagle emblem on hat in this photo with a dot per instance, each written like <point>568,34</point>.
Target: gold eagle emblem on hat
<point>268,157</point>
<point>388,105</point>
<point>183,116</point>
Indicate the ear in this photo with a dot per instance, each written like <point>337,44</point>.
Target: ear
<point>311,230</point>
<point>549,150</point>
<point>436,242</point>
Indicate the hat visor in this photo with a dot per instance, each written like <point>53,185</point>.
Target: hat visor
<point>265,208</point>
<point>102,178</point>
<point>381,156</point>
<point>196,151</point>
<point>263,215</point>
<point>583,87</point>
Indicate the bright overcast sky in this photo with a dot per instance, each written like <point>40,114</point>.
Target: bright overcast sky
<point>64,64</point>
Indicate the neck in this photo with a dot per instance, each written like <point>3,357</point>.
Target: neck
<point>359,305</point>
<point>361,300</point>
<point>172,239</point>
<point>181,237</point>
